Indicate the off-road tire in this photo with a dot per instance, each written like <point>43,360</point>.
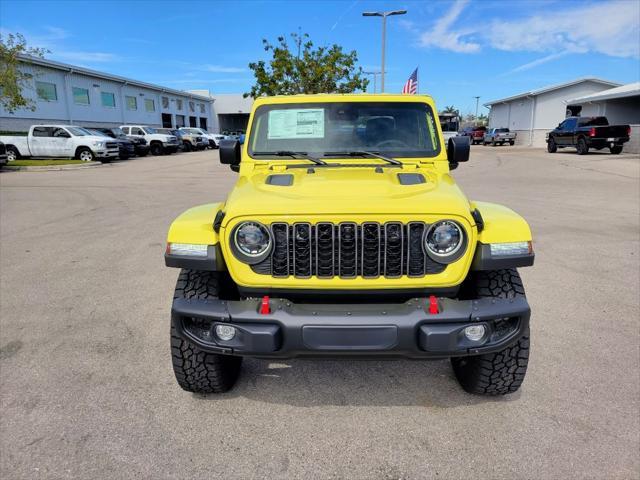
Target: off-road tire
<point>551,146</point>
<point>616,150</point>
<point>502,372</point>
<point>197,371</point>
<point>512,143</point>
<point>582,148</point>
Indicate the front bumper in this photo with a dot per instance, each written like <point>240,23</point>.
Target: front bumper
<point>111,153</point>
<point>371,330</point>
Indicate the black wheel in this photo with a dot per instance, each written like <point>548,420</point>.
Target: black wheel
<point>12,154</point>
<point>616,150</point>
<point>156,149</point>
<point>86,155</point>
<point>512,143</point>
<point>197,371</point>
<point>582,148</point>
<point>502,372</point>
<point>551,146</point>
<point>186,146</point>
<point>142,154</point>
<point>124,156</point>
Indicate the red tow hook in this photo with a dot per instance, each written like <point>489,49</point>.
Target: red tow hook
<point>433,304</point>
<point>265,308</point>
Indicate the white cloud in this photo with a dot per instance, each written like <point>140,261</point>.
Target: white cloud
<point>222,69</point>
<point>610,28</point>
<point>442,36</point>
<point>539,61</point>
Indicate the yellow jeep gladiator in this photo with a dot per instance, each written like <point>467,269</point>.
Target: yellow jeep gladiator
<point>345,235</point>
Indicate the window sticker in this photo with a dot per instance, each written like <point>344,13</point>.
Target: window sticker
<point>296,123</point>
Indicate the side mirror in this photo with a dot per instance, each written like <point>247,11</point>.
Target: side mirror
<point>458,150</point>
<point>230,154</point>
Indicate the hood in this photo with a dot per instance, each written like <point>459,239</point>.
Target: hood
<point>346,190</point>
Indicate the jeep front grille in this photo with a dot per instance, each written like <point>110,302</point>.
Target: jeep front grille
<point>348,250</point>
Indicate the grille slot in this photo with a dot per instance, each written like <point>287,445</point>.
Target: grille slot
<point>348,250</point>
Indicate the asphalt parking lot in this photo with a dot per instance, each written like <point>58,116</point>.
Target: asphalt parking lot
<point>87,389</point>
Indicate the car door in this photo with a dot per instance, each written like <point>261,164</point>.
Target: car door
<point>137,132</point>
<point>61,143</point>
<point>39,143</point>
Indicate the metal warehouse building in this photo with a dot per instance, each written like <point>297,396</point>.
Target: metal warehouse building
<point>74,95</point>
<point>532,114</point>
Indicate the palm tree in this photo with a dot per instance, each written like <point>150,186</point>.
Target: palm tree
<point>451,109</point>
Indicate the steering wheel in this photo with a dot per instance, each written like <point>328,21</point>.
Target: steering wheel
<point>392,143</point>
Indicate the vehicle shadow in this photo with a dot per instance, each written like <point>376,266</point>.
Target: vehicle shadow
<point>319,382</point>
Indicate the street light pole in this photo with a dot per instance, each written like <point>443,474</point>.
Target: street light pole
<point>375,76</point>
<point>477,97</point>
<point>384,16</point>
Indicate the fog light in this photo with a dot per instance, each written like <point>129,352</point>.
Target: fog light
<point>474,332</point>
<point>226,332</point>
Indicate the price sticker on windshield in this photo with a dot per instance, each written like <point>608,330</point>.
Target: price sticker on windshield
<point>296,123</point>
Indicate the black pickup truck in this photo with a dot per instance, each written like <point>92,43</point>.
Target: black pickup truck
<point>584,133</point>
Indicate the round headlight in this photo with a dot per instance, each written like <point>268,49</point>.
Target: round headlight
<point>444,241</point>
<point>252,241</point>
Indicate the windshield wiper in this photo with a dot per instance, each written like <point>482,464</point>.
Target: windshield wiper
<point>363,153</point>
<point>287,153</point>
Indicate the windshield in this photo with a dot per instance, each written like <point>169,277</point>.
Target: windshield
<point>117,132</point>
<point>395,129</point>
<point>78,132</point>
<point>502,130</point>
<point>149,130</point>
<point>97,133</point>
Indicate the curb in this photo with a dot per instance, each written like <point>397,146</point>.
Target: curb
<point>48,168</point>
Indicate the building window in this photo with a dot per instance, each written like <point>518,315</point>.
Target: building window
<point>193,122</point>
<point>179,103</point>
<point>202,108</point>
<point>149,105</point>
<point>47,91</point>
<point>203,123</point>
<point>108,99</point>
<point>192,107</point>
<point>165,102</point>
<point>132,103</point>
<point>80,96</point>
<point>179,121</point>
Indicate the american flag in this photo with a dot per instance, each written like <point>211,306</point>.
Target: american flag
<point>411,86</point>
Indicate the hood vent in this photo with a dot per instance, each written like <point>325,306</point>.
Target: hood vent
<point>411,178</point>
<point>283,180</point>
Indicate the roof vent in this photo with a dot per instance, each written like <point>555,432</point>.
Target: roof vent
<point>411,178</point>
<point>283,180</point>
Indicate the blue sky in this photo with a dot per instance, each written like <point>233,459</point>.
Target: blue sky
<point>462,48</point>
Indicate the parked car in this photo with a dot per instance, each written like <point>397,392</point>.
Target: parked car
<point>140,144</point>
<point>60,141</point>
<point>3,155</point>
<point>475,134</point>
<point>159,143</point>
<point>213,138</point>
<point>189,141</point>
<point>125,146</point>
<point>499,136</point>
<point>584,133</point>
<point>290,264</point>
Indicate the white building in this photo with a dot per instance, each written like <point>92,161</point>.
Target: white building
<point>230,111</point>
<point>74,95</point>
<point>620,105</point>
<point>532,114</point>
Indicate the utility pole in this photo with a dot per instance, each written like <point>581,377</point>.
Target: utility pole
<point>384,16</point>
<point>477,97</point>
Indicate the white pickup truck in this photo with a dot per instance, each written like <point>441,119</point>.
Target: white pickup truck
<point>213,138</point>
<point>159,143</point>
<point>65,141</point>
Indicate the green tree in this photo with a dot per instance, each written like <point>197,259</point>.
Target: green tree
<point>306,69</point>
<point>14,81</point>
<point>451,109</point>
